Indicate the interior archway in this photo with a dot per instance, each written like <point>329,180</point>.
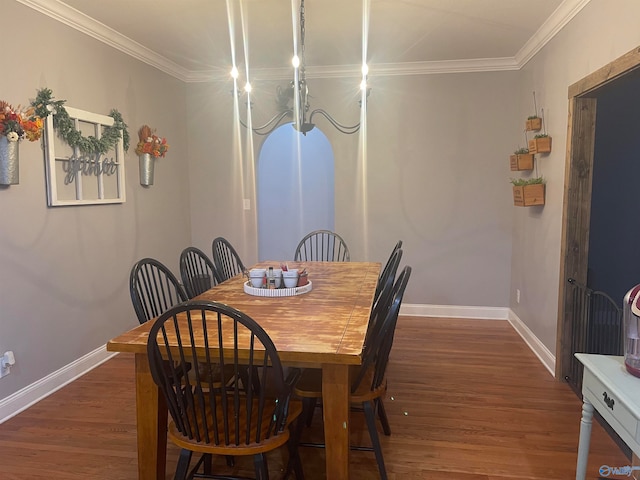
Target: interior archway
<point>295,190</point>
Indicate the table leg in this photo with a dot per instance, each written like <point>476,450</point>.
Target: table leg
<point>335,407</point>
<point>585,440</point>
<point>151,417</point>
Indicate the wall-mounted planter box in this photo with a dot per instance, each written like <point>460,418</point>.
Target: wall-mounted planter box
<point>540,145</point>
<point>533,124</point>
<point>528,195</point>
<point>521,161</point>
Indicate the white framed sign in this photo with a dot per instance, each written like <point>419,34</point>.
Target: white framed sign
<point>74,178</point>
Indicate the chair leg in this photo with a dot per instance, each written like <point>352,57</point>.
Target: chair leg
<point>183,464</point>
<point>369,414</point>
<point>294,462</point>
<point>208,462</point>
<point>382,414</point>
<point>308,409</point>
<point>260,464</point>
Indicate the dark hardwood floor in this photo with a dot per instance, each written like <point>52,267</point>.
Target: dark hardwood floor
<point>467,400</point>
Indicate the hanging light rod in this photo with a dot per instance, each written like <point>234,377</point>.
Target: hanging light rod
<point>293,101</point>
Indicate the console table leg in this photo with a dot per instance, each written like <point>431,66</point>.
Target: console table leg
<point>585,440</point>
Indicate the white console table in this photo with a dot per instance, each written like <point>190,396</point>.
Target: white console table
<point>615,394</point>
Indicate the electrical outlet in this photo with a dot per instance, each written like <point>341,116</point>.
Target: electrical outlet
<point>6,361</point>
<point>517,295</point>
<point>247,204</point>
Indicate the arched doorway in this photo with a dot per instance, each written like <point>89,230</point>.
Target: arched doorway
<point>295,190</point>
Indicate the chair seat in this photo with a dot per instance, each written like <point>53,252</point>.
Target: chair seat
<point>212,373</point>
<point>309,385</point>
<point>242,448</point>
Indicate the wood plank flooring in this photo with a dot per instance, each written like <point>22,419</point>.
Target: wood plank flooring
<point>467,400</point>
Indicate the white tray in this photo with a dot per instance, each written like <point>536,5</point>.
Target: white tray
<point>277,292</point>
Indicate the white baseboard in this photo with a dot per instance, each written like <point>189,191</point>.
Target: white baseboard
<point>455,311</point>
<point>23,399</point>
<point>547,358</point>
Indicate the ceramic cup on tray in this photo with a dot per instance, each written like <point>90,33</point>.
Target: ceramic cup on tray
<point>256,275</point>
<point>290,277</point>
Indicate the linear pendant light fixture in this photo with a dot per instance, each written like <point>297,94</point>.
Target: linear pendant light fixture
<point>293,101</point>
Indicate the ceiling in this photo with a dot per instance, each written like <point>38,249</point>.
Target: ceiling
<point>191,39</point>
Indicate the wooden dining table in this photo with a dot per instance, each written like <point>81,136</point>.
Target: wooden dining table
<point>323,328</point>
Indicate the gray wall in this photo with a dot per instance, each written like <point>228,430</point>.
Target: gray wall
<point>64,275</point>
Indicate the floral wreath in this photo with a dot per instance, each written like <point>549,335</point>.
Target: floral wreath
<point>45,105</point>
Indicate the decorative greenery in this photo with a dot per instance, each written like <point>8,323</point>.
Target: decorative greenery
<point>521,151</point>
<point>520,182</point>
<point>16,124</point>
<point>45,105</point>
<point>532,117</point>
<point>151,143</point>
<point>541,135</point>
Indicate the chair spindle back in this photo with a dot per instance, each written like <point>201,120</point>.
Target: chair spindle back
<point>322,246</point>
<point>154,289</point>
<point>198,273</point>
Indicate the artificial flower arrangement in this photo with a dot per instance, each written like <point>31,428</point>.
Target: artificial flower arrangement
<point>151,143</point>
<point>16,124</point>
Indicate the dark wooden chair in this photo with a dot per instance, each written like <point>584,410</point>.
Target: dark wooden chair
<point>383,297</point>
<point>226,260</point>
<point>197,271</point>
<point>154,289</point>
<point>322,246</point>
<point>208,416</point>
<point>386,271</point>
<point>368,382</point>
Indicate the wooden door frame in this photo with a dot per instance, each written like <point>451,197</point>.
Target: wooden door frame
<point>576,211</point>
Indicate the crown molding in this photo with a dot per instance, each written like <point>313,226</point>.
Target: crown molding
<point>75,19</point>
<point>556,22</point>
<point>375,70</point>
<point>444,66</point>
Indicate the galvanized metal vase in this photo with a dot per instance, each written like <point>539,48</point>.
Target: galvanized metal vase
<point>9,162</point>
<point>147,163</point>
